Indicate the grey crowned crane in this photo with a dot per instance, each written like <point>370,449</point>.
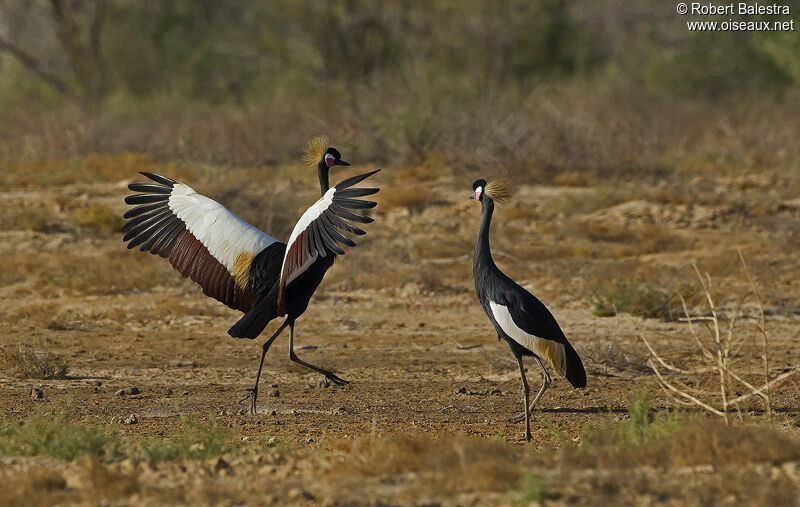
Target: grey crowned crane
<point>519,318</point>
<point>241,266</point>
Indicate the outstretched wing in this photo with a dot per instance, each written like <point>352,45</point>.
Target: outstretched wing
<point>230,259</point>
<point>319,232</point>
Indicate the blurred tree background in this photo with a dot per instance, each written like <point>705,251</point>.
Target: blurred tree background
<point>536,85</point>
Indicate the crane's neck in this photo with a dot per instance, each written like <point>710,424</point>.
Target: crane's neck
<point>322,172</point>
<point>482,261</point>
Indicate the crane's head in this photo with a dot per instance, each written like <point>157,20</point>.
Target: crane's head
<point>497,190</point>
<point>319,153</point>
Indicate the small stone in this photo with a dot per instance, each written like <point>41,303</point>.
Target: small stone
<point>461,390</point>
<point>495,390</point>
<point>127,391</point>
<point>182,364</point>
<point>274,393</point>
<point>131,419</point>
<point>185,393</point>
<point>310,440</point>
<point>273,412</point>
<point>37,393</point>
<point>272,441</point>
<point>247,439</point>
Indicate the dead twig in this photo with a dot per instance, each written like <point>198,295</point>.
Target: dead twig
<point>467,347</point>
<point>762,327</point>
<point>718,357</point>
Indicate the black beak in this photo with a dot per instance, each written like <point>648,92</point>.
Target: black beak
<point>471,196</point>
<point>340,162</point>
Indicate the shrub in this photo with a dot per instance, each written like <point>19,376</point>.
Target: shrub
<point>639,299</point>
<point>25,362</point>
<point>99,219</point>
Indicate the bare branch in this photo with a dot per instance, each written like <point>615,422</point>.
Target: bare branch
<point>680,393</point>
<point>670,366</point>
<point>36,66</point>
<point>769,385</point>
<point>762,326</point>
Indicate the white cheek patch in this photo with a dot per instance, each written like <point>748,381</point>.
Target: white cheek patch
<point>329,160</point>
<point>478,193</point>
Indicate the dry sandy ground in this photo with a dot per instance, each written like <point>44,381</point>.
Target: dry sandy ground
<point>397,318</point>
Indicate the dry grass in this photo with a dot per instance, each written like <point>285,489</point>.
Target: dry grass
<point>98,219</point>
<point>414,198</point>
<point>113,272</point>
<point>614,240</point>
<point>19,216</point>
<point>691,443</point>
<point>24,361</point>
<point>92,168</point>
<point>448,465</point>
<point>571,203</point>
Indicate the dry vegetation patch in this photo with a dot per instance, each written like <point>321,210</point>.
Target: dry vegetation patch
<point>24,361</point>
<point>456,463</point>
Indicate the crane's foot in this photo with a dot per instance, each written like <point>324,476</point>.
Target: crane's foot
<point>516,418</point>
<point>336,380</point>
<point>252,395</point>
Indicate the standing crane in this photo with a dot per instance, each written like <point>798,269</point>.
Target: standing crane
<point>519,318</point>
<point>241,266</point>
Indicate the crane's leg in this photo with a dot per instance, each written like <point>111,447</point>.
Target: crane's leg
<point>546,380</point>
<point>330,376</point>
<point>253,394</point>
<point>525,398</point>
<point>545,383</point>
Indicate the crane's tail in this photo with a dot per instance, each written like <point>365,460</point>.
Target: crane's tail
<point>575,372</point>
<point>254,321</point>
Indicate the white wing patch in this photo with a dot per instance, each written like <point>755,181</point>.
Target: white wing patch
<point>549,350</point>
<point>311,214</point>
<point>224,234</point>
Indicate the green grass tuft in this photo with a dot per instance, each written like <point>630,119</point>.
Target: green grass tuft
<point>642,426</point>
<point>198,440</point>
<point>639,299</point>
<point>531,488</point>
<point>52,434</point>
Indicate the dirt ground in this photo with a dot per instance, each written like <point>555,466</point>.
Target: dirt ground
<point>399,319</point>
